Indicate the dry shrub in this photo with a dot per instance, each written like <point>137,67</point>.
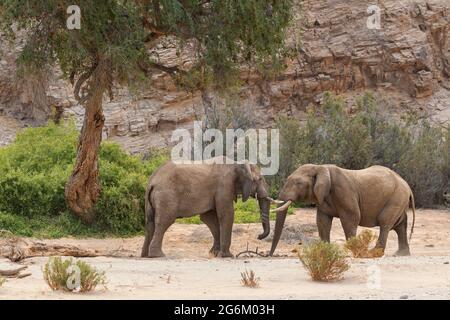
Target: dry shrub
<point>359,245</point>
<point>72,276</point>
<point>249,279</point>
<point>2,281</point>
<point>324,261</point>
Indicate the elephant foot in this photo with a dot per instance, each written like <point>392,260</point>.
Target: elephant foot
<point>214,251</point>
<point>156,253</point>
<point>225,254</point>
<point>403,252</point>
<point>144,252</point>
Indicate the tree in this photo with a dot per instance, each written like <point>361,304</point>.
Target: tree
<point>112,47</point>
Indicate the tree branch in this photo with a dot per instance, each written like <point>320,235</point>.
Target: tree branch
<point>81,80</point>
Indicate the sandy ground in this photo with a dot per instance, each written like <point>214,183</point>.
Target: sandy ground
<point>189,273</point>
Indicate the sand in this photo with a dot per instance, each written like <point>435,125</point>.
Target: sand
<point>188,272</point>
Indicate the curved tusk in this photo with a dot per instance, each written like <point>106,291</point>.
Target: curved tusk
<point>274,201</point>
<point>283,207</point>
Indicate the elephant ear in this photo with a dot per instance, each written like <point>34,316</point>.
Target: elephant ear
<point>246,180</point>
<point>322,184</point>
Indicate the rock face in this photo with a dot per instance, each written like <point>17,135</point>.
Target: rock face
<point>407,61</point>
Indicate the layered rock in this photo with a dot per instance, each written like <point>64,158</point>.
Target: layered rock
<point>407,61</point>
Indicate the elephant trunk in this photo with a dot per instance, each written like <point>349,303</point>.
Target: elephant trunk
<point>264,206</point>
<point>279,223</point>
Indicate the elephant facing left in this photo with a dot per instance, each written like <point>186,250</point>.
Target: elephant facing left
<point>209,189</point>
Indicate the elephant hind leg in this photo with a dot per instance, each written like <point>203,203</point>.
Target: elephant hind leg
<point>161,226</point>
<point>149,231</point>
<point>210,219</point>
<point>401,230</point>
<point>388,220</point>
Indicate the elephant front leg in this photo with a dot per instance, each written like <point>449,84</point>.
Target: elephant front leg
<point>225,216</point>
<point>149,230</point>
<point>324,223</point>
<point>210,219</point>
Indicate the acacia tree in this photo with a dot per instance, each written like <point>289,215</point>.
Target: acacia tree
<point>112,47</point>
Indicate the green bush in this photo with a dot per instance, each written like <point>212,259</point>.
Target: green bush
<point>324,261</point>
<point>425,164</point>
<point>244,212</point>
<point>34,171</point>
<point>67,275</point>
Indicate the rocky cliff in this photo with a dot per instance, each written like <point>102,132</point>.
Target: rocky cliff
<point>407,60</point>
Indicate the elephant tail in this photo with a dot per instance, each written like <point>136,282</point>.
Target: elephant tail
<point>413,208</point>
<point>149,211</point>
<point>149,221</point>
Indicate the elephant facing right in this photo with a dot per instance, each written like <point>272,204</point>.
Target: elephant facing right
<point>376,196</point>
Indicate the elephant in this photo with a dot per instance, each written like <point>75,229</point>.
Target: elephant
<point>375,196</point>
<point>183,190</point>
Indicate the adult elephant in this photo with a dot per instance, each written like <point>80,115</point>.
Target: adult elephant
<point>184,190</point>
<point>376,196</point>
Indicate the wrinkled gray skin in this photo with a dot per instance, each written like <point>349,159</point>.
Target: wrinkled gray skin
<point>184,190</point>
<point>376,196</point>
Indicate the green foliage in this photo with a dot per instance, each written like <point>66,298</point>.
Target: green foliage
<point>332,136</point>
<point>425,165</point>
<point>244,212</point>
<point>324,261</point>
<point>228,32</point>
<point>417,150</point>
<point>62,275</point>
<point>62,225</point>
<point>33,173</point>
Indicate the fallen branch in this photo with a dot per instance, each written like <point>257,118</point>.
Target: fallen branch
<point>251,252</point>
<point>17,249</point>
<point>14,273</point>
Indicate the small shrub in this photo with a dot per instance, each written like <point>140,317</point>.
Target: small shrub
<point>72,276</point>
<point>324,261</point>
<point>249,279</point>
<point>2,281</point>
<point>359,245</point>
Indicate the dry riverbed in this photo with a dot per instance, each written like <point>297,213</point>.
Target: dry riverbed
<point>189,273</point>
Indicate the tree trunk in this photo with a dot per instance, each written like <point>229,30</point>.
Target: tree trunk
<point>83,188</point>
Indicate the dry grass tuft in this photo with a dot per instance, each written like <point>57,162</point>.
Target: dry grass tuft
<point>72,276</point>
<point>249,279</point>
<point>324,261</point>
<point>359,245</point>
<point>2,281</point>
